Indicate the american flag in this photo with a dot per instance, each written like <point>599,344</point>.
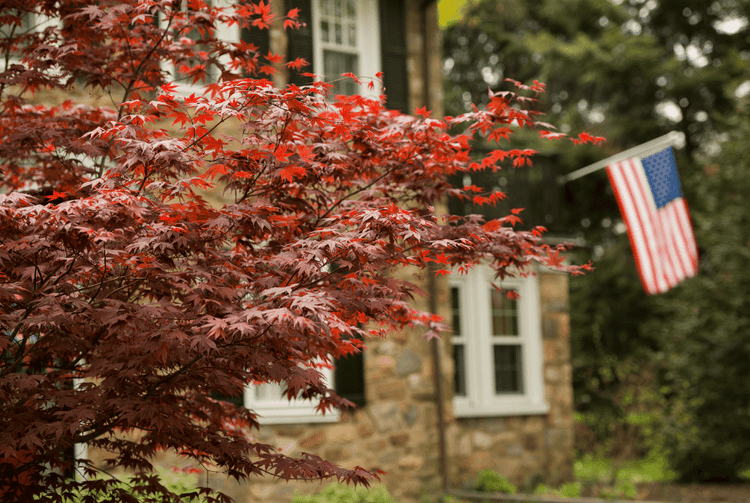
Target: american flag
<point>649,194</point>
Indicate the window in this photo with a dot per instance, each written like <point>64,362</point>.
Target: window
<point>273,408</point>
<point>346,40</point>
<point>497,347</point>
<point>348,380</point>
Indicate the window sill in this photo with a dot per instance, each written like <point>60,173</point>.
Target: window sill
<point>287,415</point>
<point>280,416</point>
<point>498,408</point>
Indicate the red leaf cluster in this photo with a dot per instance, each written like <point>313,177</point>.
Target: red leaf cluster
<point>117,274</point>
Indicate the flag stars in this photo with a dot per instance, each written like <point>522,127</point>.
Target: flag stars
<point>661,172</point>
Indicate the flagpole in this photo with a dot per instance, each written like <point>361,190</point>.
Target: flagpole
<point>670,139</point>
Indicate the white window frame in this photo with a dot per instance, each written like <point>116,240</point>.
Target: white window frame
<point>283,411</point>
<point>481,400</point>
<point>368,46</point>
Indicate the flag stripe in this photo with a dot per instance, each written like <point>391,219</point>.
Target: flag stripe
<point>623,185</point>
<point>662,248</point>
<point>682,253</point>
<point>680,239</point>
<point>662,239</point>
<point>670,218</point>
<point>667,247</point>
<point>686,229</point>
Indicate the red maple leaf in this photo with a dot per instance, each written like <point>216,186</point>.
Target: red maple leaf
<point>289,173</point>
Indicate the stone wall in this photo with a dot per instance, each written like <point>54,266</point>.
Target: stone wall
<point>395,432</point>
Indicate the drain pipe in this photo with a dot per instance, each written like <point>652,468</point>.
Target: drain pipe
<point>438,383</point>
<point>431,274</point>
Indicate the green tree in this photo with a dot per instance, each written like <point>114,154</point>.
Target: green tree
<point>641,69</point>
<point>628,70</point>
<point>707,345</point>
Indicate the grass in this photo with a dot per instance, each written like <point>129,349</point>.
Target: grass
<point>619,479</point>
<point>595,476</point>
<point>652,469</point>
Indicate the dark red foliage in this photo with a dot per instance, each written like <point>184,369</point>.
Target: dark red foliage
<point>117,275</point>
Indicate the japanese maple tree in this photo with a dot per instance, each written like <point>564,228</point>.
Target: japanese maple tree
<point>127,299</point>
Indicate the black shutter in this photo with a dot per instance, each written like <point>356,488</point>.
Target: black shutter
<point>349,378</point>
<point>349,374</point>
<point>301,41</point>
<point>260,39</point>
<point>393,54</point>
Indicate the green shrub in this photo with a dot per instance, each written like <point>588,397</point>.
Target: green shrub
<point>571,490</point>
<point>489,481</point>
<point>340,493</point>
<point>545,490</point>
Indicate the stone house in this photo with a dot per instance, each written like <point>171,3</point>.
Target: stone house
<point>432,414</point>
<point>504,376</point>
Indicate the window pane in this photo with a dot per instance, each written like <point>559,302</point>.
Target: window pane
<point>338,22</point>
<point>504,314</point>
<point>337,33</point>
<point>508,371</point>
<point>459,350</point>
<point>459,376</point>
<point>352,37</point>
<point>336,63</point>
